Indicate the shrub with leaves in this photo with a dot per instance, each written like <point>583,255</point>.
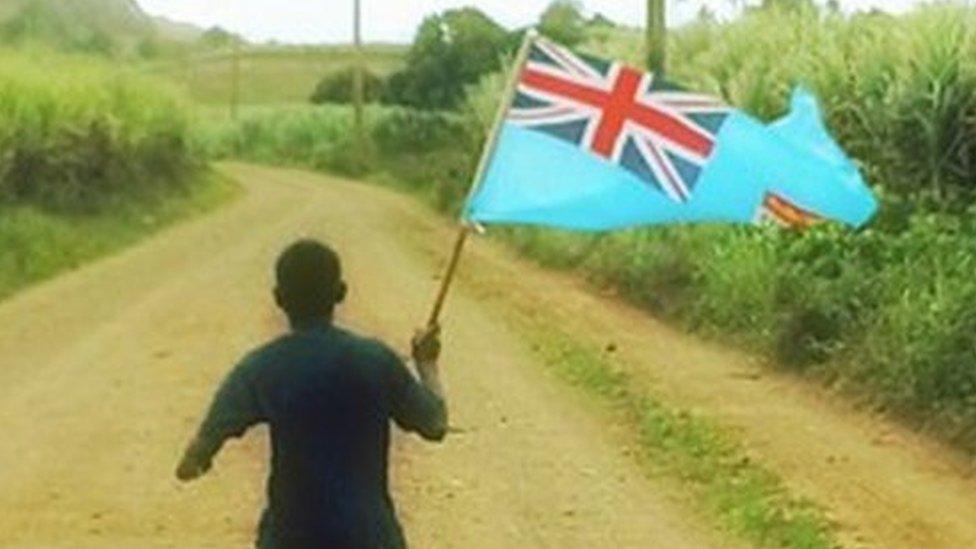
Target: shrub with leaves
<point>339,86</point>
<point>75,132</point>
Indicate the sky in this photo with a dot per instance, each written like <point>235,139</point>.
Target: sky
<point>330,21</point>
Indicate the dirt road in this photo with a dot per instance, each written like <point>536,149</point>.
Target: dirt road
<point>104,373</point>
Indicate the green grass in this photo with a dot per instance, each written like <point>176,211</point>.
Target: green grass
<point>75,131</point>
<point>423,152</point>
<point>282,134</point>
<point>92,157</point>
<point>38,244</point>
<point>271,76</point>
<point>890,317</point>
<point>742,496</point>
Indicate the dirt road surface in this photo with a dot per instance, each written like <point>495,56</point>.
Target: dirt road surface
<point>104,373</point>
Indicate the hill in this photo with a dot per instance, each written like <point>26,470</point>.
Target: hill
<point>99,26</point>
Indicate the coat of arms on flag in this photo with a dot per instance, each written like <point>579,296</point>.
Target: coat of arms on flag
<point>590,144</point>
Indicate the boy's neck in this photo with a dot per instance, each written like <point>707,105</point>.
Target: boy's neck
<point>303,324</point>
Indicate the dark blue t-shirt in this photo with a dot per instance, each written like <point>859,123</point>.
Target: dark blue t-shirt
<point>328,397</point>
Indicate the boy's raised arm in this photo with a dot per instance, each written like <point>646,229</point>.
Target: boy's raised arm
<point>421,407</point>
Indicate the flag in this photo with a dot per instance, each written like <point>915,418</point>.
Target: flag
<point>591,144</point>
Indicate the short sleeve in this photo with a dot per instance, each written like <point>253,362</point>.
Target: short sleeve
<point>413,407</point>
<point>235,408</point>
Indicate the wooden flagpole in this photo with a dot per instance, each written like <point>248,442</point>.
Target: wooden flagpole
<point>490,145</point>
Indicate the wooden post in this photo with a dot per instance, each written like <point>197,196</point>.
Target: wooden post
<point>358,83</point>
<point>657,43</point>
<point>486,155</point>
<point>235,85</point>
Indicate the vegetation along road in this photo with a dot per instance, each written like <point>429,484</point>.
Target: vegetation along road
<point>111,366</point>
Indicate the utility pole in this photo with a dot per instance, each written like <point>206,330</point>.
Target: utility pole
<point>235,85</point>
<point>656,36</point>
<point>358,76</point>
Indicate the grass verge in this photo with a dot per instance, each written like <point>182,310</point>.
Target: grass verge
<point>746,499</point>
<point>38,244</point>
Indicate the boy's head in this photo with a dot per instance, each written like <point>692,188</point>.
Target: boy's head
<point>309,281</point>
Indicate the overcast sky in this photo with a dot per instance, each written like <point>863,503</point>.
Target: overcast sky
<point>396,20</point>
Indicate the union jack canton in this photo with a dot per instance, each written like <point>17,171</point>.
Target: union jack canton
<point>659,132</point>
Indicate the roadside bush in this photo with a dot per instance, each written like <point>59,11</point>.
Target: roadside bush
<point>75,132</point>
<point>890,316</point>
<point>427,152</point>
<point>347,156</point>
<point>338,87</point>
<point>418,131</point>
<point>279,135</point>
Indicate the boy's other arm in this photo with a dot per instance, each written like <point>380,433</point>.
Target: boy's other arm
<point>235,408</point>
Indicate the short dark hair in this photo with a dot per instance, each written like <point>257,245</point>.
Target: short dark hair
<point>309,277</point>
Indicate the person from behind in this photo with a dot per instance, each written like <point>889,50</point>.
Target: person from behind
<point>328,397</point>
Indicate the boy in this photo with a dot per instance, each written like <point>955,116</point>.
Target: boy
<point>328,397</point>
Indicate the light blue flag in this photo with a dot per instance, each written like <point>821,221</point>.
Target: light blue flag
<point>593,145</point>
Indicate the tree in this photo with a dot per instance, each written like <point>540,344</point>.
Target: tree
<point>563,21</point>
<point>601,21</point>
<point>450,52</point>
<point>218,38</point>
